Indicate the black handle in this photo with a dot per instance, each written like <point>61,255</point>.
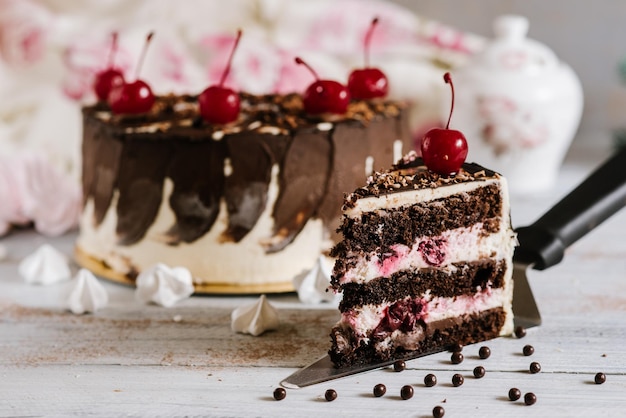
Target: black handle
<point>601,195</point>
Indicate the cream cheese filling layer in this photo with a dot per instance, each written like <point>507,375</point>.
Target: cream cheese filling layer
<point>453,246</point>
<point>364,319</point>
<point>209,258</point>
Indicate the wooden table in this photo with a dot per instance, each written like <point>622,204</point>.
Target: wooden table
<point>135,360</point>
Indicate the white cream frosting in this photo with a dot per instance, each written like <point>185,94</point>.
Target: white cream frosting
<point>45,266</point>
<point>164,285</point>
<point>409,197</point>
<point>87,293</point>
<point>313,287</point>
<point>462,244</point>
<point>256,318</point>
<point>209,258</point>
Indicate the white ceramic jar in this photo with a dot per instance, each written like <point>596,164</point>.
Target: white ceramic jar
<point>518,106</point>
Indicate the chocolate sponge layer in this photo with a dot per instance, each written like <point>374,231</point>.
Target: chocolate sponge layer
<point>466,280</point>
<point>438,336</point>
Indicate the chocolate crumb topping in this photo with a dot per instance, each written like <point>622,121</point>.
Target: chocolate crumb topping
<point>411,173</point>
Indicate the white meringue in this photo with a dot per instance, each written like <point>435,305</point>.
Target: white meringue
<point>313,286</point>
<point>164,285</point>
<point>87,293</point>
<point>45,266</point>
<point>255,319</point>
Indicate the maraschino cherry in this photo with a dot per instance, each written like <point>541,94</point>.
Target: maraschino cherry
<point>369,82</point>
<point>324,96</point>
<point>219,104</point>
<point>444,150</point>
<point>135,97</point>
<point>110,78</point>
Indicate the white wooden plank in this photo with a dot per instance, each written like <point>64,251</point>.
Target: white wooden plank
<point>234,391</point>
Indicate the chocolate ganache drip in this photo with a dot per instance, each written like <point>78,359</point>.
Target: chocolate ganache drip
<point>132,160</point>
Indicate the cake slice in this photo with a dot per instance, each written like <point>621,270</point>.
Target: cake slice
<point>425,263</point>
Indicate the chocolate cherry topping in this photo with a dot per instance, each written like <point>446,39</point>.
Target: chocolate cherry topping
<point>324,96</point>
<point>134,97</point>
<point>219,104</point>
<point>444,150</point>
<point>109,78</point>
<point>369,82</point>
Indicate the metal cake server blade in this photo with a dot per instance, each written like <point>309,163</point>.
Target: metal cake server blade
<point>525,311</point>
<point>541,245</point>
<point>324,370</point>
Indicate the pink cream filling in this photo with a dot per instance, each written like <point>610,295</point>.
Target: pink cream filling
<point>406,314</point>
<point>457,245</point>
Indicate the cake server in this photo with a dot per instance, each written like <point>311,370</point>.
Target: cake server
<point>541,245</point>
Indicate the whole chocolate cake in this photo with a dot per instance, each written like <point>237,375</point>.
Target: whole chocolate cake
<point>251,203</point>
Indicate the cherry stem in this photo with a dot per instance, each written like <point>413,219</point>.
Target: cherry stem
<point>448,79</point>
<point>230,59</point>
<point>113,49</point>
<point>143,54</point>
<point>367,42</point>
<point>301,62</point>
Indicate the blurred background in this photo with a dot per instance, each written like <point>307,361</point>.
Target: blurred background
<point>589,36</point>
<point>51,50</point>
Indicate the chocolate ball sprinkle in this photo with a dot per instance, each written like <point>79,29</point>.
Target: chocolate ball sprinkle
<point>330,395</point>
<point>399,365</point>
<point>379,390</point>
<point>484,352</point>
<point>514,394</point>
<point>457,380</point>
<point>530,398</point>
<point>528,350</point>
<point>479,372</point>
<point>599,378</point>
<point>406,392</point>
<point>534,367</point>
<point>280,394</point>
<point>438,411</point>
<point>456,357</point>
<point>520,332</point>
<point>430,380</point>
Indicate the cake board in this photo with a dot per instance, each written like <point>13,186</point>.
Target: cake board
<point>101,270</point>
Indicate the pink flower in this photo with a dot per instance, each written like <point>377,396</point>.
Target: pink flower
<point>24,26</point>
<point>32,189</point>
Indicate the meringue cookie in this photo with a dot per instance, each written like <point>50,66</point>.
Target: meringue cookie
<point>46,265</point>
<point>87,294</point>
<point>313,286</point>
<point>254,319</point>
<point>164,285</point>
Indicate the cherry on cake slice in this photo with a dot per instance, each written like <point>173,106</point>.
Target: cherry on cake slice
<point>425,263</point>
